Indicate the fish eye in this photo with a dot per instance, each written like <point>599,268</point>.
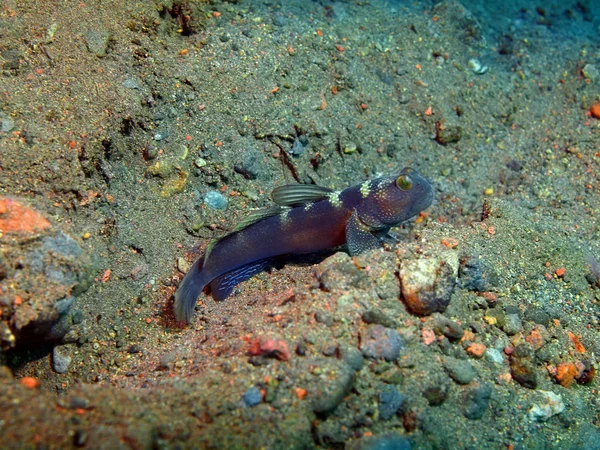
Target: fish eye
<point>404,182</point>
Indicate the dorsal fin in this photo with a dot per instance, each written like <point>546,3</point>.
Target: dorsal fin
<point>299,194</point>
<point>252,218</point>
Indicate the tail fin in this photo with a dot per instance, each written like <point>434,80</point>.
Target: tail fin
<point>188,291</point>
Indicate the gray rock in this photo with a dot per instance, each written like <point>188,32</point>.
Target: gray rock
<point>352,356</point>
<point>476,401</point>
<point>332,392</point>
<point>60,361</point>
<point>390,401</point>
<point>460,371</point>
<point>97,42</point>
<point>380,342</point>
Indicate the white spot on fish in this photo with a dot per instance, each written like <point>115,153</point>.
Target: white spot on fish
<point>335,199</point>
<point>365,189</point>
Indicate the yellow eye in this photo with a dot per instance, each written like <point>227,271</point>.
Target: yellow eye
<point>404,183</point>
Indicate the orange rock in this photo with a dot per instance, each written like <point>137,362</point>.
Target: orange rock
<point>575,340</point>
<point>595,110</point>
<point>535,339</point>
<point>565,374</point>
<point>476,349</point>
<point>301,393</point>
<point>428,336</point>
<point>16,217</point>
<point>30,382</point>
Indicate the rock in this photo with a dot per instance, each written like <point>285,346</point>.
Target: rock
<point>550,405</point>
<point>447,134</point>
<point>97,42</point>
<point>41,271</point>
<point>522,367</point>
<point>377,316</point>
<point>60,361</point>
<point>460,371</point>
<point>381,342</point>
<point>449,328</point>
<point>215,200</point>
<point>332,391</point>
<point>252,397</point>
<point>352,356</point>
<point>476,401</point>
<point>390,401</point>
<point>512,324</point>
<point>427,284</point>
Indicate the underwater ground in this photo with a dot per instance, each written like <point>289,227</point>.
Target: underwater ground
<point>133,133</point>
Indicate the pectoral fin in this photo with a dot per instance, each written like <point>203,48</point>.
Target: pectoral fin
<point>359,236</point>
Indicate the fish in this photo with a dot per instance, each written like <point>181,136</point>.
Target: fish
<point>305,219</point>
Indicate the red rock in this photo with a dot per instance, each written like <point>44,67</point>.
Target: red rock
<point>18,218</point>
<point>273,348</point>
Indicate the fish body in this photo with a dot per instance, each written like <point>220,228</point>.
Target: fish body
<point>307,219</point>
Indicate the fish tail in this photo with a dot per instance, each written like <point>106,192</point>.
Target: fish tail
<point>188,291</point>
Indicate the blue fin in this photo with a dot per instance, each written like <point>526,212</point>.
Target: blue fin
<point>223,285</point>
<point>188,291</point>
<point>359,236</point>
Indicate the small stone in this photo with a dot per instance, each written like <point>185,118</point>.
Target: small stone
<point>476,401</point>
<point>590,72</point>
<point>199,162</point>
<point>476,349</point>
<point>448,134</point>
<point>449,328</point>
<point>183,265</point>
<point>460,371</point>
<point>550,405</point>
<point>252,397</point>
<point>332,392</point>
<point>215,200</point>
<point>6,125</point>
<point>378,317</point>
<point>494,355</point>
<point>390,401</point>
<point>512,324</point>
<point>352,356</point>
<point>427,284</point>
<point>60,361</point>
<point>381,342</point>
<point>97,42</point>
<point>388,441</point>
<point>522,368</point>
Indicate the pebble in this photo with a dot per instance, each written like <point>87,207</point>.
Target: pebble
<point>427,284</point>
<point>352,356</point>
<point>97,42</point>
<point>522,368</point>
<point>476,401</point>
<point>252,397</point>
<point>551,405</point>
<point>381,342</point>
<point>436,392</point>
<point>460,371</point>
<point>215,200</point>
<point>332,392</point>
<point>297,148</point>
<point>60,362</point>
<point>388,441</point>
<point>494,355</point>
<point>6,125</point>
<point>590,72</point>
<point>390,401</point>
<point>512,324</point>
